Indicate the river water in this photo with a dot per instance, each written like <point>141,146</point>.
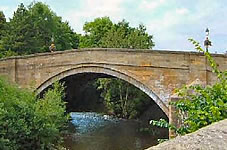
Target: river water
<point>95,131</point>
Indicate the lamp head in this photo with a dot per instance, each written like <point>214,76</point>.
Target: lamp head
<point>207,32</point>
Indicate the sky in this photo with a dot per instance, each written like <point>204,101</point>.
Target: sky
<point>171,22</point>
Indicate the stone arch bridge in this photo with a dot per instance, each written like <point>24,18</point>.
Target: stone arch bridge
<point>157,73</point>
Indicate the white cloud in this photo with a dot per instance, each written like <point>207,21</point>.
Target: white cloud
<point>92,9</point>
<point>170,21</point>
<point>164,29</point>
<point>104,7</point>
<point>4,8</point>
<point>151,4</point>
<point>182,11</point>
<point>8,11</point>
<point>30,1</point>
<point>163,23</point>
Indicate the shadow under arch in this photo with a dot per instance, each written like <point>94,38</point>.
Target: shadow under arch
<point>107,71</point>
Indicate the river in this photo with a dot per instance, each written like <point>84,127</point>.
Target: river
<point>93,131</point>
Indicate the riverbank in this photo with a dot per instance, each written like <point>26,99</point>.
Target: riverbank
<point>212,137</point>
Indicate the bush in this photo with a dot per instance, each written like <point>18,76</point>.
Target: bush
<point>30,123</point>
<point>201,106</point>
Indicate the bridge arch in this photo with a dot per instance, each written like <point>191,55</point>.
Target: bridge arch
<point>107,71</point>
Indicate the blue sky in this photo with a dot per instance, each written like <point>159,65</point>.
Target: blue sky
<point>171,22</point>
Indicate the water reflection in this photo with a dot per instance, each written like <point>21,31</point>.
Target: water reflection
<point>100,132</point>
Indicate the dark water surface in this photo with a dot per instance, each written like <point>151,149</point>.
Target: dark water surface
<point>101,132</point>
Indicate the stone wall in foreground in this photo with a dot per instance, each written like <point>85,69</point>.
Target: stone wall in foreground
<point>212,137</point>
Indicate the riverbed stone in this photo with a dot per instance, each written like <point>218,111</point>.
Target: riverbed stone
<point>212,137</point>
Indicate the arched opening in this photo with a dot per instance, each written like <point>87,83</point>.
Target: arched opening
<point>107,72</point>
<point>81,96</point>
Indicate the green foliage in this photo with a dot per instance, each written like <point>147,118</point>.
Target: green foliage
<point>2,32</point>
<point>201,106</point>
<point>94,32</point>
<point>122,35</point>
<point>30,123</point>
<point>2,23</point>
<point>162,123</point>
<point>121,98</point>
<point>4,54</point>
<point>17,30</point>
<point>31,29</point>
<point>102,32</point>
<point>162,140</point>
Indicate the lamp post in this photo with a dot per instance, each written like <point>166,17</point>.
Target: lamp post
<point>207,32</point>
<point>52,47</point>
<point>207,42</point>
<point>52,39</point>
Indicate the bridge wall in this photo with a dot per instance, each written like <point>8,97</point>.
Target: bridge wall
<point>157,73</point>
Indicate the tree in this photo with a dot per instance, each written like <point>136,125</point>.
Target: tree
<point>140,39</point>
<point>102,32</point>
<point>95,31</point>
<point>48,25</point>
<point>122,35</point>
<point>31,30</point>
<point>2,23</point>
<point>2,31</point>
<point>17,30</point>
<point>121,98</point>
<point>65,38</point>
<point>116,37</point>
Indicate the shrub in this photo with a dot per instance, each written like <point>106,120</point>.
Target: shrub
<point>27,122</point>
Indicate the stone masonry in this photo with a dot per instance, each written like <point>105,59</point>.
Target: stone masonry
<point>157,73</point>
